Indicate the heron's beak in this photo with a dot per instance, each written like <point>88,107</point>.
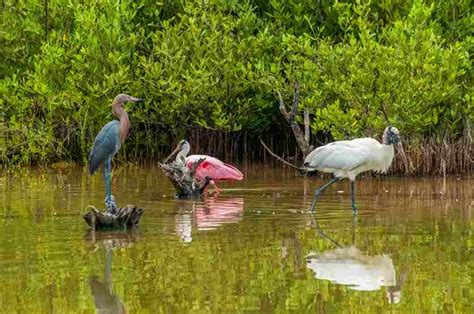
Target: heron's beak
<point>176,150</point>
<point>404,157</point>
<point>133,99</point>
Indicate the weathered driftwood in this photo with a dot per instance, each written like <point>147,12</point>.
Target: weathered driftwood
<point>183,179</point>
<point>119,218</point>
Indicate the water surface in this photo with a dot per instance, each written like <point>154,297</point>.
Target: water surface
<point>253,248</point>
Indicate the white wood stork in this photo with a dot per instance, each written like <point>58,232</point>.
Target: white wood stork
<point>346,159</point>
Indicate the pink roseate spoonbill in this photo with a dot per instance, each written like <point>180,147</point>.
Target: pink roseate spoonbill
<point>108,142</point>
<point>346,159</point>
<point>211,167</point>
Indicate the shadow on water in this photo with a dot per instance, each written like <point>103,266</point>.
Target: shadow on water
<point>349,266</point>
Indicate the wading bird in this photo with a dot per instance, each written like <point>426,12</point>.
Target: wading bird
<point>211,167</point>
<point>108,142</point>
<point>346,159</point>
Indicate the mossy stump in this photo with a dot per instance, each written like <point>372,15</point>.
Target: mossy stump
<point>113,218</point>
<point>184,180</point>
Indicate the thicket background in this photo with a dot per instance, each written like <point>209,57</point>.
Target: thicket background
<point>209,71</point>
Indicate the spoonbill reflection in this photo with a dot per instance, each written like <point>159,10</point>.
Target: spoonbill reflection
<point>108,142</point>
<point>211,167</point>
<point>217,212</point>
<point>346,159</point>
<point>209,215</point>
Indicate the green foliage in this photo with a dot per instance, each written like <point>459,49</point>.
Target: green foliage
<point>216,65</point>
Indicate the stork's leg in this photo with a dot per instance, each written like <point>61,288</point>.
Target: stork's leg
<point>354,208</point>
<point>322,188</point>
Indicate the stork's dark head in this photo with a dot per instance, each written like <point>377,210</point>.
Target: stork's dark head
<point>391,135</point>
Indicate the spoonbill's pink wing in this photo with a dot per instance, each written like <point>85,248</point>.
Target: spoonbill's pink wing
<point>214,168</point>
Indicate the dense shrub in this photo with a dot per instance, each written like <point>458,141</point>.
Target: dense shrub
<point>216,65</point>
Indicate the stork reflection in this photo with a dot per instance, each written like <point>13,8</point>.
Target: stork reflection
<point>207,215</point>
<point>105,299</point>
<point>347,265</point>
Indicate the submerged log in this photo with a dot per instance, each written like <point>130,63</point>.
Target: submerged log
<point>119,218</point>
<point>184,180</point>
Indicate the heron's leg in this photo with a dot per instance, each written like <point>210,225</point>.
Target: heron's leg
<point>107,180</point>
<point>320,189</point>
<point>354,208</point>
<point>109,199</point>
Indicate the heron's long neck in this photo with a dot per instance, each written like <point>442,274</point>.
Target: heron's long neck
<point>120,113</point>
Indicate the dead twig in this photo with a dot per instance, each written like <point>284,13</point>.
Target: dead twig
<point>279,158</point>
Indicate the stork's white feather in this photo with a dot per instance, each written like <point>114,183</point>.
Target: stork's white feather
<point>346,159</point>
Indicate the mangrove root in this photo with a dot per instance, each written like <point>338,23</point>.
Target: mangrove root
<point>183,179</point>
<point>119,218</point>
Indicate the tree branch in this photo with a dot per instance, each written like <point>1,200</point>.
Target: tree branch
<point>279,158</point>
<point>290,118</point>
<point>282,108</point>
<point>296,98</point>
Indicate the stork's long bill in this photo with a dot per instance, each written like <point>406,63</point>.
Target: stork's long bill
<point>404,157</point>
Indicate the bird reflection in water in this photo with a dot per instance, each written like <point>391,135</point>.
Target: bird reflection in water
<point>208,215</point>
<point>351,267</point>
<point>105,300</point>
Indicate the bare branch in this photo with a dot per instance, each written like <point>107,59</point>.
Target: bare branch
<point>290,118</point>
<point>296,98</point>
<point>282,108</point>
<point>307,123</point>
<point>279,158</point>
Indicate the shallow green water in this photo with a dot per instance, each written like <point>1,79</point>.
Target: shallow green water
<point>255,248</point>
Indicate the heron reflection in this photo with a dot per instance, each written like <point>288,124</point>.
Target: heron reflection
<point>349,266</point>
<point>208,215</point>
<point>105,299</point>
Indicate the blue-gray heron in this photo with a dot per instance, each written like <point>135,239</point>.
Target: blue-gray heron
<point>108,142</point>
